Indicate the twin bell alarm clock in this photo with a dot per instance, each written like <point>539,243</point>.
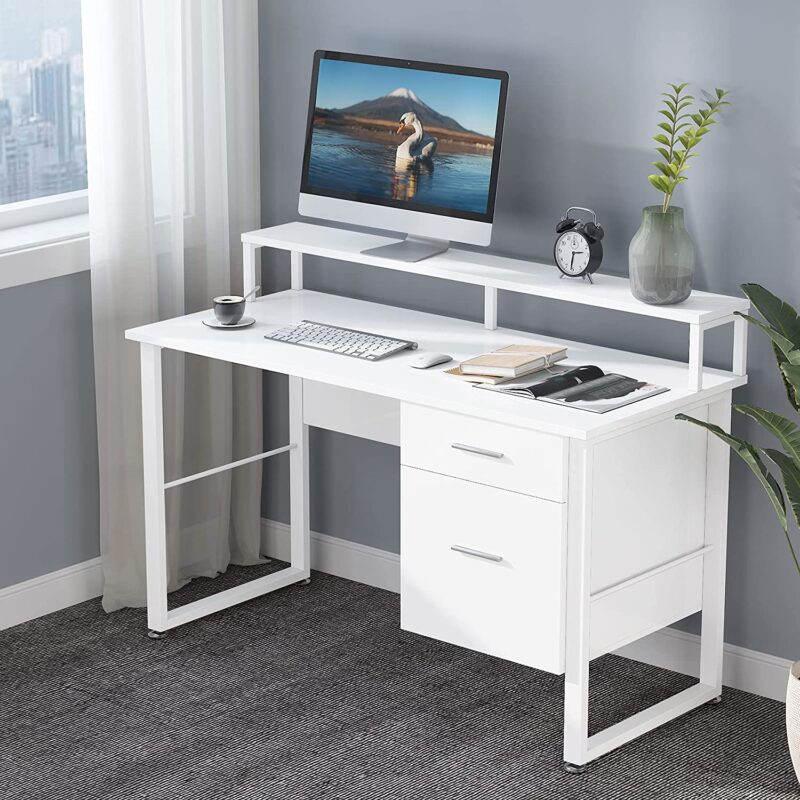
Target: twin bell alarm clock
<point>578,250</point>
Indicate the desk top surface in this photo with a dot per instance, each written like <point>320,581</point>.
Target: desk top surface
<point>393,377</point>
<point>482,268</point>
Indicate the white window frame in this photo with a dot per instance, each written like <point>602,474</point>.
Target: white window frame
<point>43,238</point>
<point>43,209</point>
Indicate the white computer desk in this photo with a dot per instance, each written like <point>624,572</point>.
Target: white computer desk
<point>588,531</point>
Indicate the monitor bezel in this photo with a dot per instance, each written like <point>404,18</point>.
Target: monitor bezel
<point>334,55</point>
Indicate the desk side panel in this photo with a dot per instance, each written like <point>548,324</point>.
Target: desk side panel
<point>648,499</point>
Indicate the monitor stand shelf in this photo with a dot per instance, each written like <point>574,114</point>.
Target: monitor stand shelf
<point>700,312</point>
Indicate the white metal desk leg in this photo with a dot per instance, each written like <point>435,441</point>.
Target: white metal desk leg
<point>155,518</point>
<point>298,479</point>
<point>716,526</point>
<point>740,346</point>
<point>248,267</point>
<point>297,271</point>
<point>576,678</point>
<point>696,334</point>
<point>490,308</point>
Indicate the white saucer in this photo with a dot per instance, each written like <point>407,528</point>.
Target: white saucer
<point>244,322</point>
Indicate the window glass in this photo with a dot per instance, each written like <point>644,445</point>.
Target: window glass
<point>42,122</point>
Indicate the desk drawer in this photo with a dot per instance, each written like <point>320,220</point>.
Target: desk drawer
<point>485,452</point>
<point>506,597</point>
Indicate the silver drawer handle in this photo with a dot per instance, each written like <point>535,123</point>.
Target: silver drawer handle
<point>459,548</point>
<point>478,450</point>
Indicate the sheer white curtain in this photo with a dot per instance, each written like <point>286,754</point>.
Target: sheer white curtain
<point>172,131</point>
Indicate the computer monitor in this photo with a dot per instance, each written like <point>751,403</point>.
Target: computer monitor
<point>405,146</point>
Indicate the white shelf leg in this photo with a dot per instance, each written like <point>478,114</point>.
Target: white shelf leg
<point>576,677</point>
<point>739,346</point>
<point>490,308</point>
<point>155,518</point>
<point>297,270</point>
<point>298,479</point>
<point>248,266</point>
<point>696,333</point>
<point>716,526</point>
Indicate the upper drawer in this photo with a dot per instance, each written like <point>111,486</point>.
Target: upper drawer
<point>485,452</point>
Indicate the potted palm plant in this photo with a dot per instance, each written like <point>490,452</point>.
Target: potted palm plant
<point>782,324</point>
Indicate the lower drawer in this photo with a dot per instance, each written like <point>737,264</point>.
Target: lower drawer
<point>483,568</point>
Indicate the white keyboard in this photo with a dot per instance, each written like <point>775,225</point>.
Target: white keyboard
<point>344,341</point>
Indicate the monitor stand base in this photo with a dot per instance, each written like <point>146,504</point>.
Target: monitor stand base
<point>411,249</point>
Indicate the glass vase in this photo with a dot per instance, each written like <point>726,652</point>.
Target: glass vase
<point>661,257</point>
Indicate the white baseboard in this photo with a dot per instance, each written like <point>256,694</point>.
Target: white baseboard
<point>52,592</point>
<point>748,670</point>
<point>356,562</point>
<point>669,648</point>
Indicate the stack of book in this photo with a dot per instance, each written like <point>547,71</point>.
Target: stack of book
<point>508,363</point>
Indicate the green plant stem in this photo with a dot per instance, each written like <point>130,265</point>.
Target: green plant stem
<point>791,549</point>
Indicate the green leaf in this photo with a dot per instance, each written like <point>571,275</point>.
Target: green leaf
<point>791,483</point>
<point>665,126</point>
<point>778,313</point>
<point>791,374</point>
<point>784,320</point>
<point>668,114</point>
<point>660,183</point>
<point>664,152</point>
<point>784,430</point>
<point>720,93</point>
<point>661,139</point>
<point>702,131</point>
<point>679,87</point>
<point>663,168</point>
<point>786,345</point>
<point>791,478</point>
<point>685,103</point>
<point>750,455</point>
<point>697,119</point>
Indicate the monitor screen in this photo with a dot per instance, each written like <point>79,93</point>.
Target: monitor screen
<point>405,134</point>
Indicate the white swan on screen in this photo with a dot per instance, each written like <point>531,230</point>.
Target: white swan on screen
<point>418,146</point>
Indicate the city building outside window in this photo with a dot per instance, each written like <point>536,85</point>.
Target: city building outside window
<point>42,122</point>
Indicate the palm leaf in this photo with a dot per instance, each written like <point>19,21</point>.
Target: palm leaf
<point>779,314</point>
<point>791,379</point>
<point>783,429</point>
<point>784,320</point>
<point>750,455</point>
<point>791,482</point>
<point>785,345</point>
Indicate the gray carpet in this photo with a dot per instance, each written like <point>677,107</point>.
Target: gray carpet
<point>314,692</point>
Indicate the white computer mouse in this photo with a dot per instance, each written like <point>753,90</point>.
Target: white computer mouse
<point>425,360</point>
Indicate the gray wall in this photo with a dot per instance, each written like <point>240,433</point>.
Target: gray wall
<point>582,105</point>
<point>48,439</point>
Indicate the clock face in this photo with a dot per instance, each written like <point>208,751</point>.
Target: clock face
<point>572,253</point>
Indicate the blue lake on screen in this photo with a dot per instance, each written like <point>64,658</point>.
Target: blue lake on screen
<point>345,163</point>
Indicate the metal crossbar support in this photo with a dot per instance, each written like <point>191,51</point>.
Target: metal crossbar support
<point>240,463</point>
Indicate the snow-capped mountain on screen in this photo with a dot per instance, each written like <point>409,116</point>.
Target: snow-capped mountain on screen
<point>393,105</point>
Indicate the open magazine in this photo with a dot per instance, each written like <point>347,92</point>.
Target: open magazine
<point>587,388</point>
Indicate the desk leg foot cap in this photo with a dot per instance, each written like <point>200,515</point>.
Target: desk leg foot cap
<point>151,634</point>
<point>305,581</point>
<point>574,769</point>
<point>715,701</point>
